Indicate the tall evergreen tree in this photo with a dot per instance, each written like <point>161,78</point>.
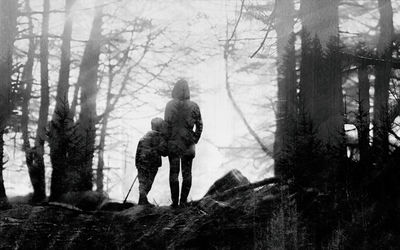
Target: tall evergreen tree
<point>320,83</point>
<point>286,115</point>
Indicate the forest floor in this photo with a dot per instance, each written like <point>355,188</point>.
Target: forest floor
<point>236,222</point>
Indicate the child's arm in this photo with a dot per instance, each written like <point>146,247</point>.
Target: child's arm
<point>138,157</point>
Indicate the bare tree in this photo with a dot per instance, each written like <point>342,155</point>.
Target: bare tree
<point>111,101</point>
<point>228,46</point>
<point>120,65</point>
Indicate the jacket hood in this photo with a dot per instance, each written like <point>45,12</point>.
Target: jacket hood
<point>157,124</point>
<point>181,90</point>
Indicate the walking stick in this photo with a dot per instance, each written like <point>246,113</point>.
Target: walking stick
<point>130,190</point>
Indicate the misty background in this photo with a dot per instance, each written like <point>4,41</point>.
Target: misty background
<point>189,39</point>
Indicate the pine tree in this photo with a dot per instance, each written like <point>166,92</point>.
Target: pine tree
<point>286,117</point>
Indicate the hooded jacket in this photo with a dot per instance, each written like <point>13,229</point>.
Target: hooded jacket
<point>151,147</point>
<point>182,116</point>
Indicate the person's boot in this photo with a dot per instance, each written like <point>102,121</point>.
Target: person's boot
<point>174,194</point>
<point>183,204</point>
<point>184,193</point>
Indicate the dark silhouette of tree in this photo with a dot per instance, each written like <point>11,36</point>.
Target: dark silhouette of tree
<point>286,114</point>
<point>8,29</point>
<point>27,80</point>
<point>82,154</point>
<point>61,123</point>
<point>36,161</point>
<point>33,161</point>
<point>364,119</point>
<point>382,78</point>
<point>320,81</point>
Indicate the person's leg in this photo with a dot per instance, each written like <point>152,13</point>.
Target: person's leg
<point>187,178</point>
<point>173,178</point>
<point>142,176</point>
<point>152,175</point>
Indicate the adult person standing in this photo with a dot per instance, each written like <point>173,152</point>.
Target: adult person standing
<point>182,116</point>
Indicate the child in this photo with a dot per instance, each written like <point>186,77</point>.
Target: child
<point>148,157</point>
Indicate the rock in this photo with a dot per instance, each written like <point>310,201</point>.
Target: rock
<point>233,178</point>
<point>208,204</point>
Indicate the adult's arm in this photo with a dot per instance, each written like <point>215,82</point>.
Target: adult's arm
<point>167,118</point>
<point>198,122</point>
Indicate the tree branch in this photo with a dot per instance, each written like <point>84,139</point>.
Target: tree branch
<point>269,28</point>
<point>237,108</point>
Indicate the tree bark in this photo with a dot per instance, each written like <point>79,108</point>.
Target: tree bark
<point>382,78</point>
<point>61,123</point>
<point>82,157</point>
<point>286,115</point>
<point>8,29</point>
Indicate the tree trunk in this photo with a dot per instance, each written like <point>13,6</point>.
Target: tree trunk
<point>74,102</point>
<point>82,156</point>
<point>363,109</point>
<point>61,123</point>
<point>103,133</point>
<point>27,79</point>
<point>63,78</point>
<point>36,163</point>
<point>100,163</point>
<point>321,107</point>
<point>8,23</point>
<point>320,83</point>
<point>286,115</point>
<point>382,79</point>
